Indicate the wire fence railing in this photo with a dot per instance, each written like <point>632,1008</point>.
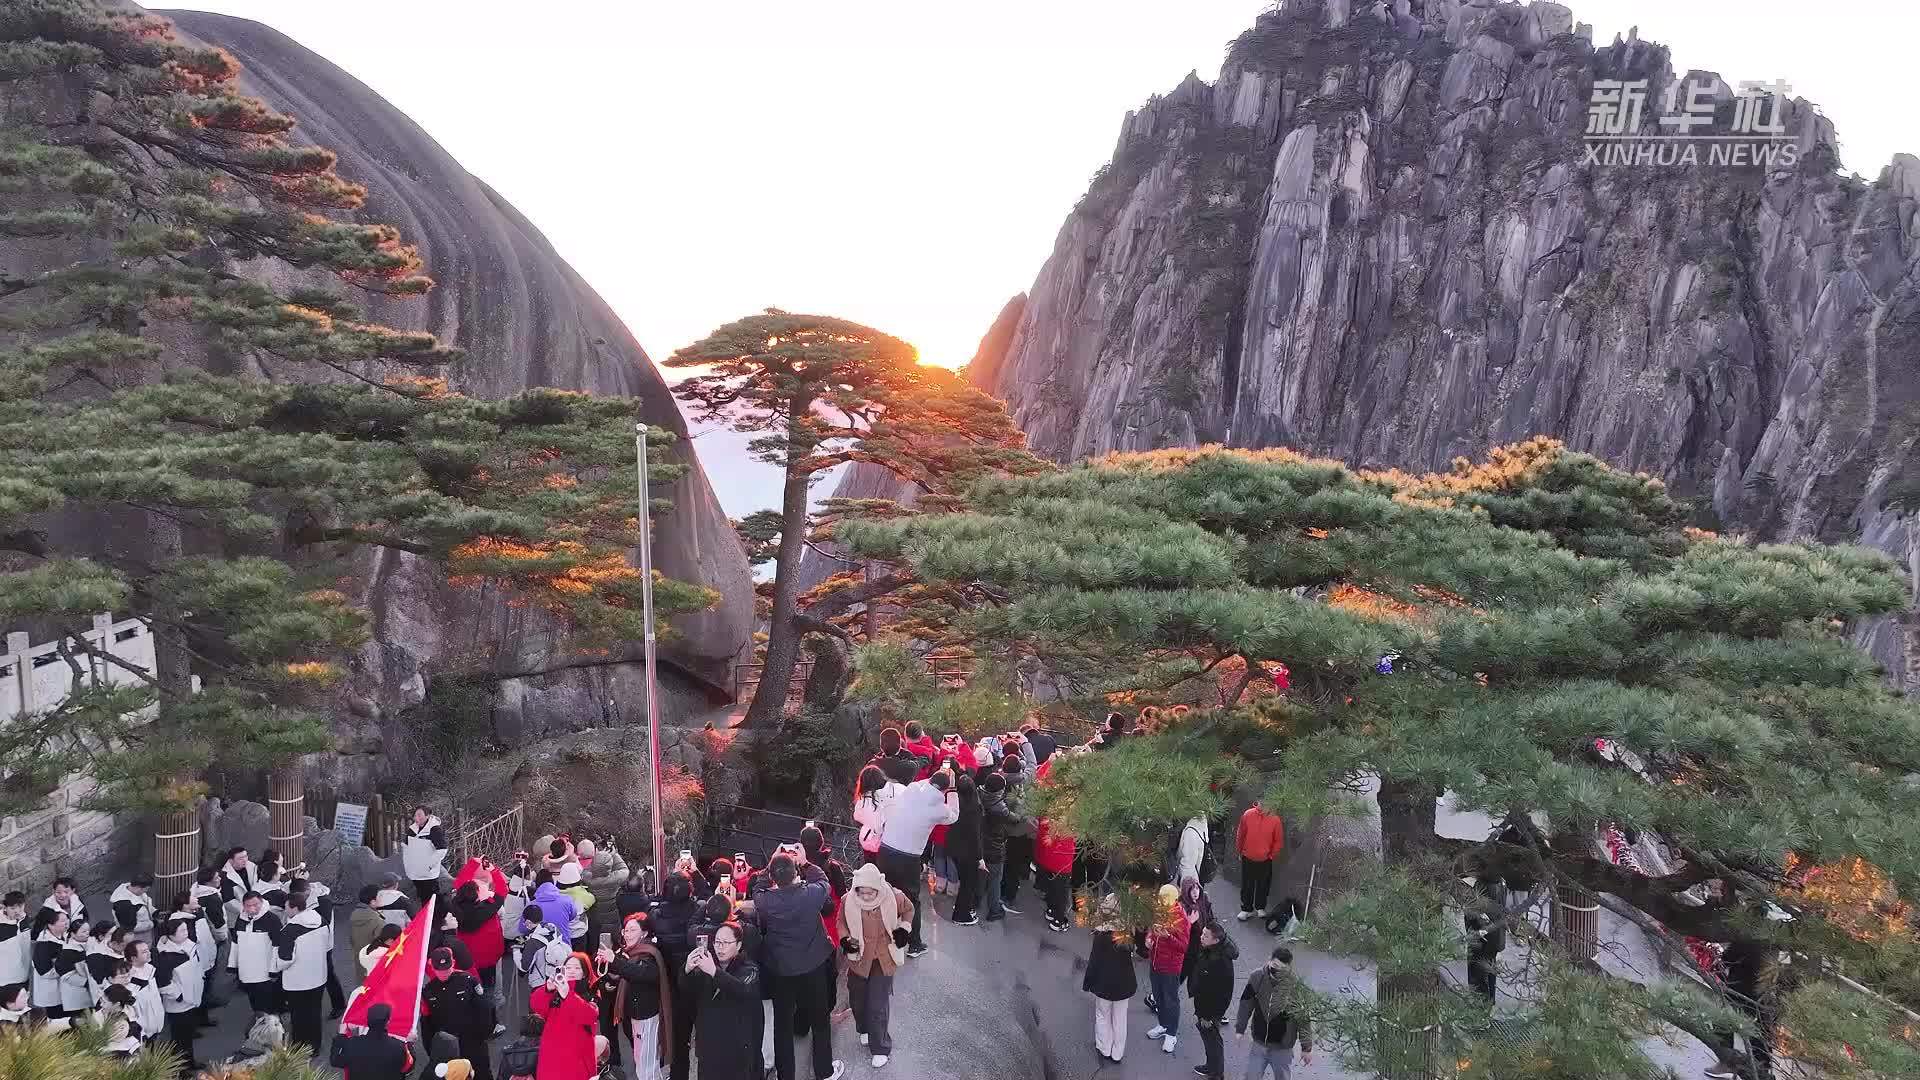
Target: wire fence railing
<point>733,828</point>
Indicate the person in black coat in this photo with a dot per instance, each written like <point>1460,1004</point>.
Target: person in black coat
<point>453,1003</point>
<point>671,920</point>
<point>376,1055</point>
<point>966,846</point>
<point>1111,981</point>
<point>1210,983</point>
<point>726,987</point>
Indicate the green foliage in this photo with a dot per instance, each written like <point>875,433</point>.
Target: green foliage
<point>254,494</point>
<point>1126,799</point>
<point>1541,606</point>
<point>786,762</point>
<point>888,673</point>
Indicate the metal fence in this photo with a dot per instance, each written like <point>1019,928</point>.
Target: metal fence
<point>733,828</point>
<point>496,838</point>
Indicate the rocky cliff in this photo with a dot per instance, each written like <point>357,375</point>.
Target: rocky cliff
<point>526,320</point>
<point>1380,236</point>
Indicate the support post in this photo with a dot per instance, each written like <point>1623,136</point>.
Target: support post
<point>653,686</point>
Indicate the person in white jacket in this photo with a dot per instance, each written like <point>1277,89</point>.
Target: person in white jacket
<point>16,939</point>
<point>1193,845</point>
<point>303,960</point>
<point>255,936</point>
<point>133,908</point>
<point>49,938</point>
<point>176,965</point>
<point>873,795</point>
<point>66,898</point>
<point>424,854</point>
<point>206,892</point>
<point>148,1009</point>
<point>910,820</point>
<point>76,990</point>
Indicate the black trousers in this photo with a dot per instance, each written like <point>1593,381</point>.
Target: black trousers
<point>794,996</point>
<point>182,1028</point>
<point>903,872</point>
<point>1216,1064</point>
<point>336,997</point>
<point>1019,858</point>
<point>966,904</point>
<point>684,1007</point>
<point>1483,979</point>
<point>424,889</point>
<point>303,1017</point>
<point>1256,878</point>
<point>1054,887</point>
<point>263,997</point>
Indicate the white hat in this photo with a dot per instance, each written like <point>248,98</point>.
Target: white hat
<point>569,874</point>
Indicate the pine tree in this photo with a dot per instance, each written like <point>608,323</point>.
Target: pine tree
<point>1541,636</point>
<point>151,206</point>
<point>823,392</point>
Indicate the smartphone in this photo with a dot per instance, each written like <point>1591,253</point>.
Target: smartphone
<point>686,854</point>
<point>739,860</point>
<point>606,941</point>
<point>701,942</point>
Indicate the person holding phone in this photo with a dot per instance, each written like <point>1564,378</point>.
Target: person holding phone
<point>726,987</point>
<point>566,1003</point>
<point>642,997</point>
<point>800,959</point>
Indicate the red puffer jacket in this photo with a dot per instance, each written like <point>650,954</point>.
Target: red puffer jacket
<point>1053,852</point>
<point>1167,944</point>
<point>487,942</point>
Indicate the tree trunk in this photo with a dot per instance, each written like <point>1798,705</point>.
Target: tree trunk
<point>783,639</point>
<point>177,835</point>
<point>1409,1046</point>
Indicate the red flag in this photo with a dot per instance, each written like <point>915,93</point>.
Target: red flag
<point>396,980</point>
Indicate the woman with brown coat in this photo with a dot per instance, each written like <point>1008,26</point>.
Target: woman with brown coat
<point>873,933</point>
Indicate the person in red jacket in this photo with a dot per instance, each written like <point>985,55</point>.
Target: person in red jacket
<point>1259,840</point>
<point>1053,857</point>
<point>569,1040</point>
<point>920,744</point>
<point>1166,956</point>
<point>478,891</point>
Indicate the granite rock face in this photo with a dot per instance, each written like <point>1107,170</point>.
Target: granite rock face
<point>1380,236</point>
<point>525,319</point>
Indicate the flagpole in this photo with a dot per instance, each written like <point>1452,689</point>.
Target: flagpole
<point>653,697</point>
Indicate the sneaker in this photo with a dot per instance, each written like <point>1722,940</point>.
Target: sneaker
<point>1201,1070</point>
<point>863,1038</point>
<point>1157,1032</point>
<point>1009,909</point>
<point>1056,926</point>
<point>1171,1042</point>
<point>971,920</point>
<point>1154,1007</point>
<point>916,950</point>
<point>499,1029</point>
<point>839,1070</point>
<point>879,1061</point>
<point>1720,1072</point>
<point>1244,915</point>
<point>995,918</point>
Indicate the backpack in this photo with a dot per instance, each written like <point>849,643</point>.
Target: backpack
<point>519,1058</point>
<point>1209,866</point>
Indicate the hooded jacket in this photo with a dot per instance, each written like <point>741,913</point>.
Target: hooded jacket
<point>214,907</point>
<point>254,939</point>
<point>76,987</point>
<point>148,1010</point>
<point>915,811</point>
<point>423,856</point>
<point>1110,974</point>
<point>132,913</point>
<point>1211,981</point>
<point>100,964</point>
<point>671,919</point>
<point>46,970</point>
<point>870,813</point>
<point>965,844</point>
<point>1279,1027</point>
<point>179,975</point>
<point>556,907</point>
<point>395,907</point>
<point>997,822</point>
<point>478,923</point>
<point>874,925</point>
<point>303,953</point>
<point>566,1042</point>
<point>16,951</point>
<point>1053,851</point>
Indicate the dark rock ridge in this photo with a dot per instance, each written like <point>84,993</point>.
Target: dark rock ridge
<point>1377,237</point>
<point>526,320</point>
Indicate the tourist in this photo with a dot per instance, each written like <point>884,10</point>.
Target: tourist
<point>997,823</point>
<point>571,1019</point>
<point>453,1002</point>
<point>799,961</point>
<point>107,952</point>
<point>394,906</point>
<point>556,908</point>
<point>1275,1003</point>
<point>1258,839</point>
<point>571,885</point>
<point>1053,858</point>
<point>643,999</point>
<point>726,987</point>
<point>141,978</point>
<point>1042,743</point>
<point>1210,984</point>
<point>477,899</point>
<point>205,891</point>
<point>375,1054</point>
<point>915,740</point>
<point>206,946</point>
<point>875,792</point>
<point>1752,975</point>
<point>558,853</point>
<point>1019,839</point>
<point>1199,909</point>
<point>123,1035</point>
<point>967,848</point>
<point>813,842</point>
<point>671,920</point>
<point>303,960</point>
<point>899,763</point>
<point>365,924</point>
<point>1484,943</point>
<point>873,934</point>
<point>16,940</point>
<point>238,877</point>
<point>133,908</point>
<point>1111,981</point>
<point>256,934</point>
<point>1166,958</point>
<point>177,972</point>
<point>1190,851</point>
<point>369,957</point>
<point>49,938</point>
<point>319,897</point>
<point>910,821</point>
<point>519,871</point>
<point>16,1007</point>
<point>66,899</point>
<point>423,854</point>
<point>76,992</point>
<point>270,881</point>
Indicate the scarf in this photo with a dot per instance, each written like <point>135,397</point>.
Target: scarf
<point>853,910</point>
<point>666,999</point>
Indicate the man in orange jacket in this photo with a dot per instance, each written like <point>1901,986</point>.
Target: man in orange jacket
<point>1259,840</point>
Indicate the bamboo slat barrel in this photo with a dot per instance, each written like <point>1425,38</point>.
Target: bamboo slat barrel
<point>1576,923</point>
<point>176,851</point>
<point>287,814</point>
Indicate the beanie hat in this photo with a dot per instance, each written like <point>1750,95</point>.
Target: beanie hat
<point>569,874</point>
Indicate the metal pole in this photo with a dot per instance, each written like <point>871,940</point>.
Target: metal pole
<point>653,696</point>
